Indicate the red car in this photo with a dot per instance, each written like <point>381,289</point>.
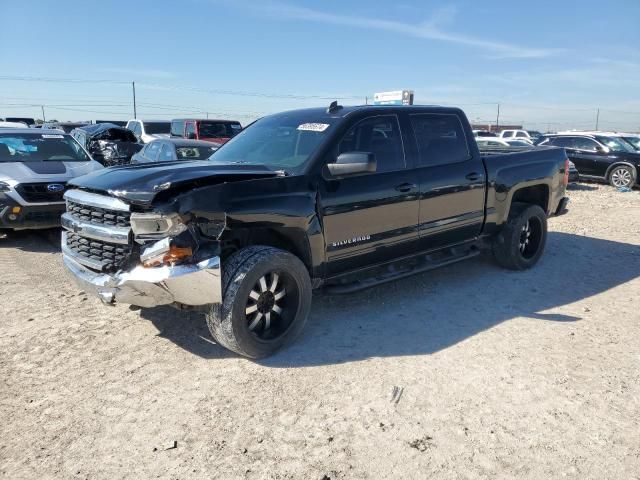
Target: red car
<point>218,131</point>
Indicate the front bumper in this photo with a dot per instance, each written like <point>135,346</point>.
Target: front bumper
<point>195,285</point>
<point>29,216</point>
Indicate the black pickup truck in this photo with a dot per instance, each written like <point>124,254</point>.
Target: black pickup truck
<point>341,198</point>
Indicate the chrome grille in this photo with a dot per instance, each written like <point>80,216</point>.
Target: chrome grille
<point>97,231</point>
<point>102,216</point>
<point>109,255</point>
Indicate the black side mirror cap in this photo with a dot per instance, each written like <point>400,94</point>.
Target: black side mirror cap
<point>353,163</point>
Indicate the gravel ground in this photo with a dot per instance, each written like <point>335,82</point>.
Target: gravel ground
<point>466,372</point>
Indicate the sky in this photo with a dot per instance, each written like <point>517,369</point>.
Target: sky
<point>550,65</point>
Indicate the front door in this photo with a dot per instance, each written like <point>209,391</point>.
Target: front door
<point>371,218</point>
<point>452,181</point>
<point>586,152</point>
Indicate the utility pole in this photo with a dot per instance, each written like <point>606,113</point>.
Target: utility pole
<point>43,117</point>
<point>498,118</point>
<point>366,100</point>
<point>597,119</point>
<point>207,115</point>
<point>135,113</point>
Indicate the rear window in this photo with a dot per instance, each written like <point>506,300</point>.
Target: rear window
<point>219,129</point>
<point>441,139</point>
<point>154,128</point>
<point>37,147</point>
<point>194,153</point>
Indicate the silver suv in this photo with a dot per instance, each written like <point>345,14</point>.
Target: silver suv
<point>35,166</point>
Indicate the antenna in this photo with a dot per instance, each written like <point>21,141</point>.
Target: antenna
<point>334,107</point>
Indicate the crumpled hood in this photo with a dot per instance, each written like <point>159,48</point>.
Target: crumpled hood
<point>49,171</point>
<point>140,183</point>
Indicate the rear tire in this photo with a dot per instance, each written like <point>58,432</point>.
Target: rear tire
<point>521,243</point>
<point>266,301</point>
<point>622,176</point>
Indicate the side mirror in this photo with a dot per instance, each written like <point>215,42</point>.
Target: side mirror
<point>353,163</point>
<point>601,149</point>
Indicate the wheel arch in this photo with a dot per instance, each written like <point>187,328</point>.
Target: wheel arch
<point>290,239</point>
<point>619,164</point>
<point>538,194</point>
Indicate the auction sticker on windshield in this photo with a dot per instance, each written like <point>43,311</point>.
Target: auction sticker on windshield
<point>313,127</point>
<point>52,136</point>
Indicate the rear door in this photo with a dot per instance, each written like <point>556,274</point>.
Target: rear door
<point>581,157</point>
<point>371,218</point>
<point>452,181</point>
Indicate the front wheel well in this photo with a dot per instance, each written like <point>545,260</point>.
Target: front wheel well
<point>291,240</point>
<point>532,195</point>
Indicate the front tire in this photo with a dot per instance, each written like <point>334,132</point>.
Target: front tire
<point>521,243</point>
<point>622,176</point>
<point>266,301</point>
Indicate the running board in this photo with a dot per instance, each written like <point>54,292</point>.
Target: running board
<point>427,262</point>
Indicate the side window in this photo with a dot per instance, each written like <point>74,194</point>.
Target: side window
<point>177,128</point>
<point>440,138</point>
<point>565,142</point>
<point>521,135</point>
<point>152,150</point>
<point>191,130</point>
<point>166,153</point>
<point>583,143</point>
<point>135,128</point>
<point>380,136</point>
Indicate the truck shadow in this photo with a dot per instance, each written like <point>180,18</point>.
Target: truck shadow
<point>433,311</point>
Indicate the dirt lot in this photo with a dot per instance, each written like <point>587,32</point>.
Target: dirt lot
<point>466,372</point>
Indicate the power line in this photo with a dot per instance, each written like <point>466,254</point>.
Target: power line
<point>181,88</point>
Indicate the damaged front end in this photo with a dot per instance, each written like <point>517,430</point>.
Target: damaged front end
<point>140,258</point>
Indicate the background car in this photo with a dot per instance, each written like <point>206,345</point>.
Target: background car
<point>518,142</point>
<point>491,142</point>
<point>217,131</point>
<point>13,125</point>
<point>483,133</point>
<point>66,127</point>
<point>35,166</point>
<point>174,149</point>
<point>28,121</point>
<point>147,131</point>
<point>107,143</point>
<point>527,135</point>
<point>599,156</point>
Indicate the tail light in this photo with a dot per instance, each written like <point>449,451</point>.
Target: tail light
<point>565,180</point>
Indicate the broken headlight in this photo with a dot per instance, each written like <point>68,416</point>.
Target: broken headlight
<point>155,225</point>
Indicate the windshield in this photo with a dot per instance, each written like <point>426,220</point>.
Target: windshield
<point>195,153</point>
<point>633,141</point>
<point>153,128</point>
<point>280,142</point>
<point>615,144</point>
<point>36,147</point>
<point>219,129</point>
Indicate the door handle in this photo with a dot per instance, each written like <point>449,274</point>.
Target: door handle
<point>406,187</point>
<point>472,176</point>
